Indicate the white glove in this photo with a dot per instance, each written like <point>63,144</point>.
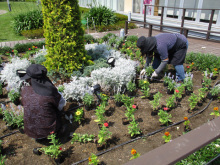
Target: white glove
<point>154,75</point>
<point>143,72</point>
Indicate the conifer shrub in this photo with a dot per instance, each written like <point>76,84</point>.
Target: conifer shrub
<point>64,35</point>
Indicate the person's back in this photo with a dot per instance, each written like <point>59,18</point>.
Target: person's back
<point>41,115</point>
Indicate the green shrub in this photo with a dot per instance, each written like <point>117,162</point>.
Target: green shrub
<point>28,21</point>
<point>64,35</point>
<point>5,49</point>
<point>101,16</point>
<point>132,38</point>
<point>117,26</point>
<point>203,61</point>
<point>84,10</point>
<point>121,17</point>
<point>89,39</point>
<point>24,47</point>
<point>36,33</point>
<point>107,36</point>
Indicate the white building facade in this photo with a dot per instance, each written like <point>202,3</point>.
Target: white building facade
<point>137,7</point>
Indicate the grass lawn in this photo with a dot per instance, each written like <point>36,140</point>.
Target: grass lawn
<point>6,28</point>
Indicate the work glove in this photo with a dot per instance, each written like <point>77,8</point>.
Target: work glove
<point>143,72</point>
<point>154,75</point>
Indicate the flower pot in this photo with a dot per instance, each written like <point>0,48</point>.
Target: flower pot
<point>119,104</point>
<point>165,84</point>
<point>36,151</point>
<point>199,104</point>
<point>17,101</point>
<point>170,91</point>
<point>88,108</point>
<point>21,130</point>
<point>187,92</point>
<point>214,77</point>
<point>125,121</point>
<point>100,126</point>
<point>57,160</point>
<point>11,127</point>
<point>154,113</point>
<point>100,146</point>
<point>129,93</point>
<point>178,99</point>
<point>187,129</point>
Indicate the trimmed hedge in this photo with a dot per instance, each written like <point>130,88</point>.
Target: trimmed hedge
<point>36,33</point>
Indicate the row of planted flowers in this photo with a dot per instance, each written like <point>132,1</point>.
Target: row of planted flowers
<point>115,81</point>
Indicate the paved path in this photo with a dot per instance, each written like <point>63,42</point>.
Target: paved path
<point>195,45</point>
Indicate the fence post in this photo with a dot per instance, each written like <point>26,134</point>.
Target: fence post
<point>182,23</point>
<point>145,12</point>
<point>161,19</point>
<point>210,24</point>
<point>150,30</point>
<point>126,27</point>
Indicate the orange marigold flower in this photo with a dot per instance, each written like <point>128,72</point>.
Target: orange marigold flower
<point>166,133</point>
<point>90,159</point>
<point>215,108</point>
<point>185,118</point>
<point>133,151</point>
<point>192,63</point>
<point>215,69</point>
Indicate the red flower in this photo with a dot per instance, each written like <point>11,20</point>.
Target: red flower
<point>29,48</point>
<point>106,124</point>
<point>188,67</point>
<point>36,47</point>
<point>167,133</point>
<point>177,91</point>
<point>185,118</point>
<point>52,132</point>
<point>123,44</point>
<point>60,148</point>
<point>165,108</point>
<point>134,106</point>
<point>12,51</point>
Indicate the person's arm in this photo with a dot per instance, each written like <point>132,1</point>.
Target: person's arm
<point>62,102</point>
<point>160,68</point>
<point>148,61</point>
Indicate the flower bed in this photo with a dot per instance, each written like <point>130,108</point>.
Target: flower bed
<point>112,81</point>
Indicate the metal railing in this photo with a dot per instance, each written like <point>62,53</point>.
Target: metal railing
<point>183,30</point>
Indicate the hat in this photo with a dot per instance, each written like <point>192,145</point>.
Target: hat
<point>39,80</point>
<point>146,44</point>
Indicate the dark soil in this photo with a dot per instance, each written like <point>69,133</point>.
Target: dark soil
<point>18,147</point>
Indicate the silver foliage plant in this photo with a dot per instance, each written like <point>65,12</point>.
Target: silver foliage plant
<point>8,74</point>
<point>77,88</point>
<point>108,78</point>
<point>101,49</point>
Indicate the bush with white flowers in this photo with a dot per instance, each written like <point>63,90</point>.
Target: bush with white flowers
<point>8,74</point>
